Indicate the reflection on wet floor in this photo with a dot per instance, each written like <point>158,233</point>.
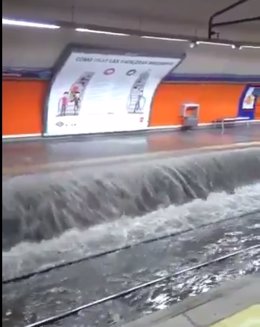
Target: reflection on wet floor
<point>50,151</point>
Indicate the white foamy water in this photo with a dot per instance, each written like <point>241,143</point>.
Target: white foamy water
<point>73,244</point>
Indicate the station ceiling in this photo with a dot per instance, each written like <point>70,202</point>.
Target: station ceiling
<point>138,13</point>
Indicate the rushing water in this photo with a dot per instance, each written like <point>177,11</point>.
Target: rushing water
<point>66,288</point>
<point>42,207</point>
<point>207,204</point>
<point>73,244</point>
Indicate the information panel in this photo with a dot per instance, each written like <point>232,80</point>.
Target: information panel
<point>97,93</point>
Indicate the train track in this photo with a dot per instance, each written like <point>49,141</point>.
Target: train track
<point>71,312</point>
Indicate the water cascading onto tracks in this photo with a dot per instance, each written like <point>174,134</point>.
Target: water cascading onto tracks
<point>41,207</point>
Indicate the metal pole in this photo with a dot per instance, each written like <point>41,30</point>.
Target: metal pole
<point>238,21</point>
<point>220,12</point>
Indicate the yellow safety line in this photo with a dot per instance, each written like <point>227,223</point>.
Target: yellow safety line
<point>249,317</point>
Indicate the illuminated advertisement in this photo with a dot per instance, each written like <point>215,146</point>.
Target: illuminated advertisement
<point>249,102</point>
<point>97,93</point>
<point>249,99</point>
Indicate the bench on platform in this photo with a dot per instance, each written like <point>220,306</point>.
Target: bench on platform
<point>230,121</point>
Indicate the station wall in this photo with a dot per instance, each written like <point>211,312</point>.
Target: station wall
<point>214,77</point>
<point>23,103</point>
<point>215,100</point>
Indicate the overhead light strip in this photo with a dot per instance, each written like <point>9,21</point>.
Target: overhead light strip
<point>86,30</point>
<point>163,38</point>
<point>22,23</point>
<point>216,43</point>
<point>249,47</point>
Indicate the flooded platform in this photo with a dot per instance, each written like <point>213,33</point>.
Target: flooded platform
<point>49,154</point>
<point>233,304</point>
<point>86,218</point>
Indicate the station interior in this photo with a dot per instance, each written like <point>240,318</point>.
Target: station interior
<point>131,163</point>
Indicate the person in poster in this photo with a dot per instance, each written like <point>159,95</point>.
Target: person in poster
<point>77,90</point>
<point>76,102</point>
<point>136,100</point>
<point>63,104</point>
<point>69,103</point>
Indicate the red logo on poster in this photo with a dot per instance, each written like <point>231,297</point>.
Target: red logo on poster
<point>109,71</point>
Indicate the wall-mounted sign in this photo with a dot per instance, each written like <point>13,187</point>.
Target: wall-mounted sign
<point>249,99</point>
<point>248,102</point>
<point>97,92</point>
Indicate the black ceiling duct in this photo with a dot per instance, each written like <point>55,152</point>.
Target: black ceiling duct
<point>211,24</point>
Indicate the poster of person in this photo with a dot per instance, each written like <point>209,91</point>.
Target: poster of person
<point>69,102</point>
<point>100,92</point>
<point>136,99</point>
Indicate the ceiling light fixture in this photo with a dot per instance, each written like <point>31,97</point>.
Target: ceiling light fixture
<point>14,22</point>
<point>163,38</point>
<point>249,47</point>
<point>216,43</point>
<point>87,30</point>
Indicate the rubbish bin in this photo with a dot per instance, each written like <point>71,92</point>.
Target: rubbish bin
<point>190,115</point>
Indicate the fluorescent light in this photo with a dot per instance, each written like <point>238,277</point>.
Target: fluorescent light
<point>216,43</point>
<point>249,47</point>
<point>163,38</point>
<point>14,22</point>
<point>86,30</point>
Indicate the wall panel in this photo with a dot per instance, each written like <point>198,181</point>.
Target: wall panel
<point>23,103</point>
<point>216,100</point>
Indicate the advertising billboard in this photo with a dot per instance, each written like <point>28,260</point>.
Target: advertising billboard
<point>98,92</point>
<point>249,99</point>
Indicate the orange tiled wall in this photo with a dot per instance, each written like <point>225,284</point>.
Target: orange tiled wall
<point>23,103</point>
<point>215,100</point>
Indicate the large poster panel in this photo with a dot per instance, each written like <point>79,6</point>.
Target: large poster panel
<point>97,93</point>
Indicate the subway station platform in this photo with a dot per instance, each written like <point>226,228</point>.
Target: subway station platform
<point>233,304</point>
<point>55,154</point>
